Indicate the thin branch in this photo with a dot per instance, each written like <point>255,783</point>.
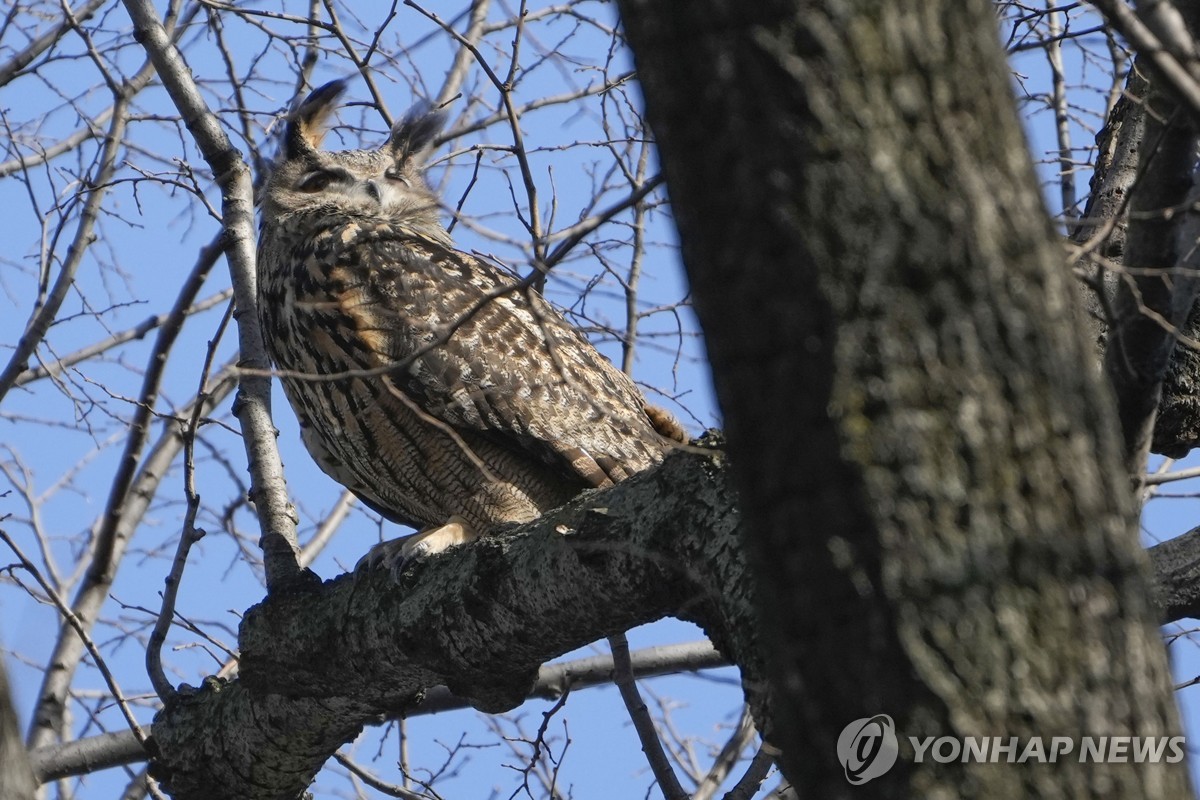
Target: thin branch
<point>313,547</point>
<point>1148,45</point>
<point>1058,82</point>
<point>139,331</point>
<point>12,68</point>
<point>1157,479</point>
<point>629,340</point>
<point>360,63</point>
<point>82,632</point>
<point>63,145</point>
<point>725,761</point>
<point>462,57</point>
<point>504,87</point>
<point>44,315</point>
<point>277,518</point>
<point>748,785</point>
<point>190,533</point>
<point>389,789</point>
<point>576,233</point>
<point>108,545</point>
<point>642,723</point>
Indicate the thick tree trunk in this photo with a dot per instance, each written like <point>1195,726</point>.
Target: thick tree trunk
<point>930,477</point>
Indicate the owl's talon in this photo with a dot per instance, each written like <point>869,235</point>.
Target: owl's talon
<point>398,554</point>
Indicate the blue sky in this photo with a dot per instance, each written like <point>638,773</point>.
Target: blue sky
<point>149,237</point>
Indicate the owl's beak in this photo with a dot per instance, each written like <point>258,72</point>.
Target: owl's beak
<point>372,189</point>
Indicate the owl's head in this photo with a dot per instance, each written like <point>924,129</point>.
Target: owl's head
<point>384,183</point>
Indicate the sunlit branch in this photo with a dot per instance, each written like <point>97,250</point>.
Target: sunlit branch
<point>110,750</point>
<point>19,61</point>
<point>139,331</point>
<point>269,491</point>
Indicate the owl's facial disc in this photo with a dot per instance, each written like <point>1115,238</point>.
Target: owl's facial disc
<point>387,190</point>
<point>384,192</point>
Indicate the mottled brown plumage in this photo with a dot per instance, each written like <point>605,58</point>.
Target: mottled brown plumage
<point>461,395</point>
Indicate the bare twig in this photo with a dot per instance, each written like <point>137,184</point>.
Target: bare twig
<point>747,786</point>
<point>389,789</point>
<point>723,764</point>
<point>108,545</point>
<point>1058,100</point>
<point>39,323</point>
<point>82,632</point>
<point>1172,66</point>
<point>190,533</point>
<point>116,340</point>
<point>504,87</point>
<point>19,61</point>
<point>668,783</point>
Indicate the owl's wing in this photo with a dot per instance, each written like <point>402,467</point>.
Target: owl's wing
<point>473,352</point>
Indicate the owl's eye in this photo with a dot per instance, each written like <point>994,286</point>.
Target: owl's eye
<point>316,181</point>
<point>394,174</point>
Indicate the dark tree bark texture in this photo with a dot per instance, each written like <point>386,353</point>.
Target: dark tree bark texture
<point>1101,231</point>
<point>320,661</point>
<point>930,472</point>
<point>1146,362</point>
<point>1154,297</point>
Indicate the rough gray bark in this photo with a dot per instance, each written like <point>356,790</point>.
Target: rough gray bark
<point>1177,427</point>
<point>1103,233</point>
<point>1157,289</point>
<point>319,662</point>
<point>1177,576</point>
<point>873,221</point>
<point>1102,228</point>
<point>934,503</point>
<point>1177,591</point>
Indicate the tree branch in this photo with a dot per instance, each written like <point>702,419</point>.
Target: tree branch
<point>1177,576</point>
<point>1175,67</point>
<point>1160,255</point>
<point>319,662</point>
<point>13,67</point>
<point>268,490</point>
<point>88,755</point>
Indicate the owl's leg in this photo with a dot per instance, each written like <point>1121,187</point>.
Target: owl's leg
<point>396,554</point>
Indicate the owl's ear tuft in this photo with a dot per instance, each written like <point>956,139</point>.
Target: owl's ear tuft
<point>412,137</point>
<point>306,124</point>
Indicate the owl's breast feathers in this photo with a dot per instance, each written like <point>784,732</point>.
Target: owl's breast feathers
<point>466,389</point>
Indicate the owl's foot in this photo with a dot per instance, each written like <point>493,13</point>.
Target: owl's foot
<point>396,554</point>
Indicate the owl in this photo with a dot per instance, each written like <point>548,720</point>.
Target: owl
<point>445,393</point>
